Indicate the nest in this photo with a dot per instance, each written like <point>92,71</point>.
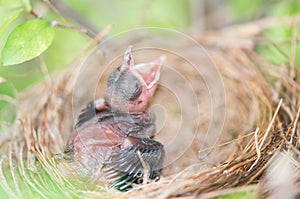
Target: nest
<point>262,119</point>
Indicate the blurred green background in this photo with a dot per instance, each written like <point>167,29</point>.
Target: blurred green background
<point>182,15</point>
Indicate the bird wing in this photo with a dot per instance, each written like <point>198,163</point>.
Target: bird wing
<point>86,114</point>
<point>91,110</point>
<point>129,165</point>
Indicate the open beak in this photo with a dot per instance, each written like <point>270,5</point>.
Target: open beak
<point>148,74</point>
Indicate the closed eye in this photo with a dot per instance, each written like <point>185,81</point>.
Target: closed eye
<point>136,93</point>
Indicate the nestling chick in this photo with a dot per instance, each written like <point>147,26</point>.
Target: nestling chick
<point>113,136</point>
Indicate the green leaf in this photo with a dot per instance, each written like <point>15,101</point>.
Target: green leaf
<point>27,41</point>
<point>7,16</point>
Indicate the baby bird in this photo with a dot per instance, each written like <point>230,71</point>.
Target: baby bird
<point>113,141</point>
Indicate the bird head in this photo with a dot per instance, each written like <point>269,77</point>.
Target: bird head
<point>130,87</point>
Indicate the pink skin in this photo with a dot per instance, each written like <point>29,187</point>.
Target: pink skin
<point>148,74</point>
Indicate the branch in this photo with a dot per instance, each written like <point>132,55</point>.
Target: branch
<point>60,7</point>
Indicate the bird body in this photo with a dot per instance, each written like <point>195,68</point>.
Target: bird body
<point>113,141</point>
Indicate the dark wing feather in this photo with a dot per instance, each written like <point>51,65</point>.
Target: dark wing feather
<point>125,166</point>
<point>86,114</point>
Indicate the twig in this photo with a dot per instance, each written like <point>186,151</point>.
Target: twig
<point>80,30</point>
<point>291,146</point>
<point>257,150</point>
<point>295,125</point>
<point>270,125</point>
<point>60,7</point>
<point>94,42</point>
<point>56,24</point>
<point>33,13</point>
